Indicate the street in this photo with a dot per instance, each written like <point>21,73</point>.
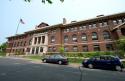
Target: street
<point>24,70</point>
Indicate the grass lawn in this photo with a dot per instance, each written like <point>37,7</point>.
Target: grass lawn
<point>75,60</point>
<point>2,54</point>
<point>34,57</point>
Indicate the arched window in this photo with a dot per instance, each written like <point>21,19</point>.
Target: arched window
<point>84,37</point>
<point>53,39</point>
<point>74,38</point>
<point>65,38</point>
<point>94,36</point>
<point>106,35</point>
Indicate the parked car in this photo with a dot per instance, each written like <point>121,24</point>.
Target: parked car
<point>104,62</point>
<point>56,58</point>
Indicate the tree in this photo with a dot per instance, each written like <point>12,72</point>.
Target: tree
<point>44,1</point>
<point>3,47</point>
<point>121,46</point>
<point>61,50</point>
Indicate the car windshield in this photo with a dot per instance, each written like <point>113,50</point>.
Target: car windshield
<point>59,56</point>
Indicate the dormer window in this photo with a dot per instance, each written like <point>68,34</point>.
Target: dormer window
<point>115,22</point>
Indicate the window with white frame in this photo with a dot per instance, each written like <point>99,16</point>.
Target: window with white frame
<point>94,36</point>
<point>65,38</point>
<point>106,35</point>
<point>115,22</point>
<point>85,48</point>
<point>105,24</point>
<point>74,38</point>
<point>84,37</point>
<point>96,48</point>
<point>109,47</point>
<point>100,24</point>
<point>94,26</point>
<point>66,49</point>
<point>52,39</point>
<point>120,21</point>
<point>75,29</point>
<point>90,26</point>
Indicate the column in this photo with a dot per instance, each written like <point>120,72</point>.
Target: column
<point>31,50</point>
<point>33,41</point>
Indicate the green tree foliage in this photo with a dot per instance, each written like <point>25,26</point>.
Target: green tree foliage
<point>3,47</point>
<point>121,47</point>
<point>121,44</point>
<point>44,1</point>
<point>61,50</point>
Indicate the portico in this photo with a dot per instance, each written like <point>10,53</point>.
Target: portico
<point>39,43</point>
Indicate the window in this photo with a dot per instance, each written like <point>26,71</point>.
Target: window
<point>35,40</point>
<point>37,50</point>
<point>39,40</point>
<point>84,37</point>
<point>90,26</point>
<point>24,43</point>
<point>52,39</point>
<point>96,48</point>
<point>124,20</point>
<point>119,21</point>
<point>33,49</point>
<point>94,26</point>
<point>109,47</point>
<point>65,38</point>
<point>72,29</point>
<point>100,24</point>
<point>28,49</point>
<point>106,35</point>
<point>103,24</point>
<point>54,48</point>
<point>82,28</point>
<point>115,22</point>
<point>53,31</point>
<point>74,38</point>
<point>43,39</point>
<point>85,48</point>
<point>75,29</point>
<point>94,36</point>
<point>67,30</point>
<point>50,49</point>
<point>41,49</point>
<point>30,41</point>
<point>66,49</point>
<point>75,48</point>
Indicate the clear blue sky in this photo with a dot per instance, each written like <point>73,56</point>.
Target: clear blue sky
<point>36,12</point>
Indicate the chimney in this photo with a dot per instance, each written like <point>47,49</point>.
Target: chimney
<point>100,15</point>
<point>64,21</point>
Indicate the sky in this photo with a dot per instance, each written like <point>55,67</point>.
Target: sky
<point>35,12</point>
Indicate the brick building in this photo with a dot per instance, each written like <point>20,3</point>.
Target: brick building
<point>97,34</point>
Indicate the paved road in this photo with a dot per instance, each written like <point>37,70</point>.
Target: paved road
<point>22,70</point>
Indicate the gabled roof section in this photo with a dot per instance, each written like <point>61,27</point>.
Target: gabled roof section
<point>45,28</point>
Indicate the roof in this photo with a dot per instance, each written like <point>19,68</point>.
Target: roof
<point>73,24</point>
<point>45,28</point>
<point>17,35</point>
<point>96,19</point>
